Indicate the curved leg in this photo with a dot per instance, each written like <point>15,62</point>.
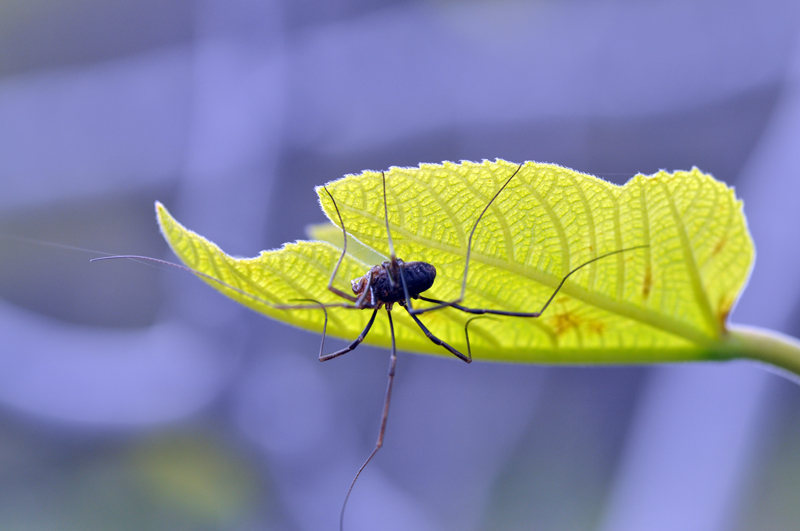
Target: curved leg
<point>438,341</point>
<point>231,287</point>
<point>351,346</point>
<point>481,311</point>
<point>466,332</point>
<point>384,417</point>
<point>331,287</point>
<point>443,304</point>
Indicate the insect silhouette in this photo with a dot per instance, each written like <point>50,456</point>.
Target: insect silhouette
<point>381,287</point>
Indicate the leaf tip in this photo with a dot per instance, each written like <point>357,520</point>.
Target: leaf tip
<point>162,215</point>
<point>170,229</point>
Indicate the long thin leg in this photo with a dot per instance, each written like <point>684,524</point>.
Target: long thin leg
<point>395,266</point>
<point>392,256</point>
<point>358,302</point>
<point>546,304</point>
<point>325,325</point>
<point>384,417</point>
<point>443,304</point>
<point>437,341</point>
<point>231,287</point>
<point>466,332</point>
<point>331,287</point>
<point>351,346</point>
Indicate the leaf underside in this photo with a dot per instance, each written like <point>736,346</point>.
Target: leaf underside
<point>668,301</point>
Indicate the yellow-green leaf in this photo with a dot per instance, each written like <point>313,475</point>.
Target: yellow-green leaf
<point>667,301</point>
<point>326,232</point>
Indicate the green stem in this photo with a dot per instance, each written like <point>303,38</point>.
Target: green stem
<point>771,347</point>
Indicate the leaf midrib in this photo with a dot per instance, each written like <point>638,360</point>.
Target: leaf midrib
<point>632,312</point>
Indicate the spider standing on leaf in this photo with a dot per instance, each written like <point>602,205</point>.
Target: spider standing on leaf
<point>393,282</point>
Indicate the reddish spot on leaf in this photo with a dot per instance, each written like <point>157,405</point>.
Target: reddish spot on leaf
<point>563,322</point>
<point>596,327</point>
<point>647,284</point>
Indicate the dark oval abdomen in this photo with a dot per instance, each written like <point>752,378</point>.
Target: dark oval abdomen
<point>419,277</point>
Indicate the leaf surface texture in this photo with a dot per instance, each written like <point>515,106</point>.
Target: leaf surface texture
<point>668,301</point>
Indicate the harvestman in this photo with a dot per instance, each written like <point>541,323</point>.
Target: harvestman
<point>393,281</point>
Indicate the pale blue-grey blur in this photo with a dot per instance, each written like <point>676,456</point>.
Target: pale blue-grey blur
<point>133,397</point>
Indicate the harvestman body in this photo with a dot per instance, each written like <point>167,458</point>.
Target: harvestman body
<point>393,282</point>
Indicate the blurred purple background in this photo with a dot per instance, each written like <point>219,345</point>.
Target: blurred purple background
<point>137,398</point>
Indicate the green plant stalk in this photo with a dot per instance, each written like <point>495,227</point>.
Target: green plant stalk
<point>768,346</point>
